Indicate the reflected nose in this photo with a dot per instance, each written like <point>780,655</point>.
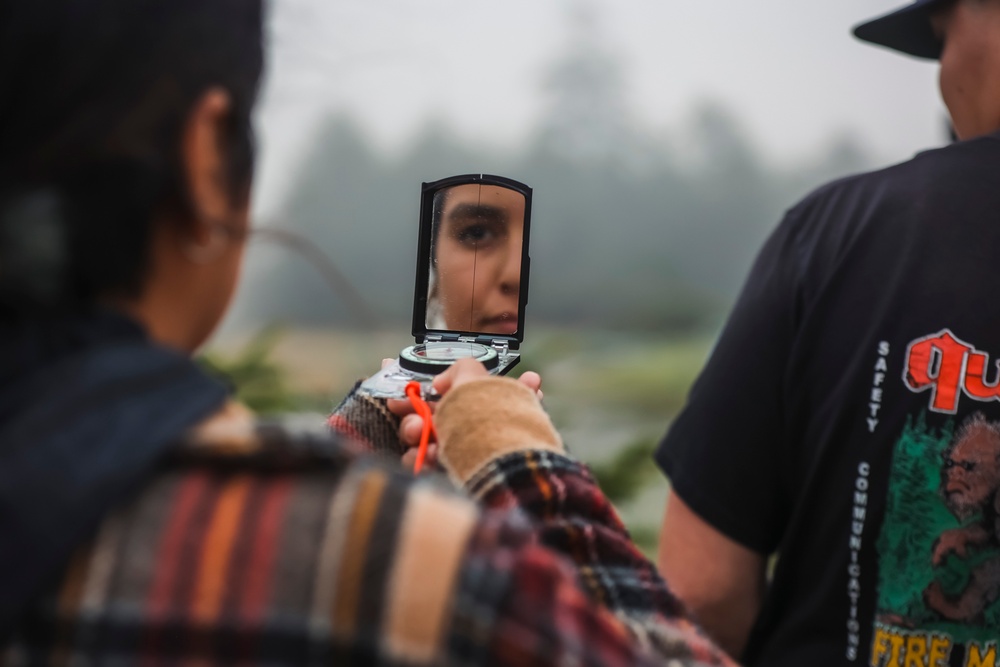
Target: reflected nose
<point>510,272</point>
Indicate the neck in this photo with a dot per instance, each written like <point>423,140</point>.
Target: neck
<point>152,315</point>
<point>175,304</point>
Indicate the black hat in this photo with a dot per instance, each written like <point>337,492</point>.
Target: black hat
<point>907,30</point>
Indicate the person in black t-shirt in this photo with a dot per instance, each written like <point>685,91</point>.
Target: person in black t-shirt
<point>848,419</point>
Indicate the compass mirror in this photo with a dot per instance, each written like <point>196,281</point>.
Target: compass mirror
<point>473,261</point>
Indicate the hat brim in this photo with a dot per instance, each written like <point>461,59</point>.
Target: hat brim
<point>907,30</point>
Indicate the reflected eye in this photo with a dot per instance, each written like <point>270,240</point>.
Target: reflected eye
<point>477,235</point>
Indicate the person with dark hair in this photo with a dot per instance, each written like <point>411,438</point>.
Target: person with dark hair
<point>821,430</point>
<point>145,516</point>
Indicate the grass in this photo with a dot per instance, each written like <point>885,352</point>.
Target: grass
<point>628,372</point>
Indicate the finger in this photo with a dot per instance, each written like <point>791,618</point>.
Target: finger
<point>442,383</point>
<point>432,454</point>
<point>462,371</point>
<point>410,429</point>
<point>400,407</point>
<point>531,380</point>
<point>409,459</point>
<point>386,362</point>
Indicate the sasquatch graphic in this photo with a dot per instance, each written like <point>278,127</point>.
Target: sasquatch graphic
<point>970,485</point>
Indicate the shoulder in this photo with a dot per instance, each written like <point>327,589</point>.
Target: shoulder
<point>299,535</point>
<point>862,211</point>
<point>926,173</point>
<point>855,190</point>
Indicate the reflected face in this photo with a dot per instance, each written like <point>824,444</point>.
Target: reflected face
<point>477,256</point>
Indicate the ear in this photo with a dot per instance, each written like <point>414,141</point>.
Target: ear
<point>204,162</point>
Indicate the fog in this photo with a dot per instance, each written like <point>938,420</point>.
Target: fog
<point>663,141</point>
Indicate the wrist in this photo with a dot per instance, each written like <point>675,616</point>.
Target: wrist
<point>483,420</point>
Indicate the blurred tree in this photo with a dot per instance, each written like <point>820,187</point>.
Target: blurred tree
<point>629,231</point>
<point>625,475</point>
<point>586,117</point>
<point>736,202</point>
<point>257,381</point>
<point>356,211</point>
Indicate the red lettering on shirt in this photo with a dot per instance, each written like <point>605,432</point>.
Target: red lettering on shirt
<point>937,362</point>
<point>949,367</point>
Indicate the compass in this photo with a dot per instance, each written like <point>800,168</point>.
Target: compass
<point>436,357</point>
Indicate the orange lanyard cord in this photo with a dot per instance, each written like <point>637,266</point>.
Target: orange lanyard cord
<point>424,410</point>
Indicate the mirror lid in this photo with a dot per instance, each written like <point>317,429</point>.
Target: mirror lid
<point>420,330</point>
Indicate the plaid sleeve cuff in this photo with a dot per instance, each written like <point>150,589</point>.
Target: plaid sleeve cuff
<point>367,421</point>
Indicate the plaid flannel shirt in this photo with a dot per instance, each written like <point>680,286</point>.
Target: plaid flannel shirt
<point>257,546</point>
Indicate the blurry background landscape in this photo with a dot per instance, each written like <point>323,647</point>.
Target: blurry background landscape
<point>663,142</point>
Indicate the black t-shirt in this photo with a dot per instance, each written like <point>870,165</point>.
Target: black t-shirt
<point>849,419</point>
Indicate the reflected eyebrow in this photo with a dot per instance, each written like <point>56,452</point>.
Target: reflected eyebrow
<point>495,213</point>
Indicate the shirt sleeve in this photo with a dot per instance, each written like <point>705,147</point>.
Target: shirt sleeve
<point>367,422</point>
<point>577,590</point>
<point>725,452</point>
<point>546,619</point>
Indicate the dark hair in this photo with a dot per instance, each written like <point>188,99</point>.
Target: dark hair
<point>94,95</point>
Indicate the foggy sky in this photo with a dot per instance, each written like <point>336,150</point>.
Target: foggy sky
<point>788,69</point>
